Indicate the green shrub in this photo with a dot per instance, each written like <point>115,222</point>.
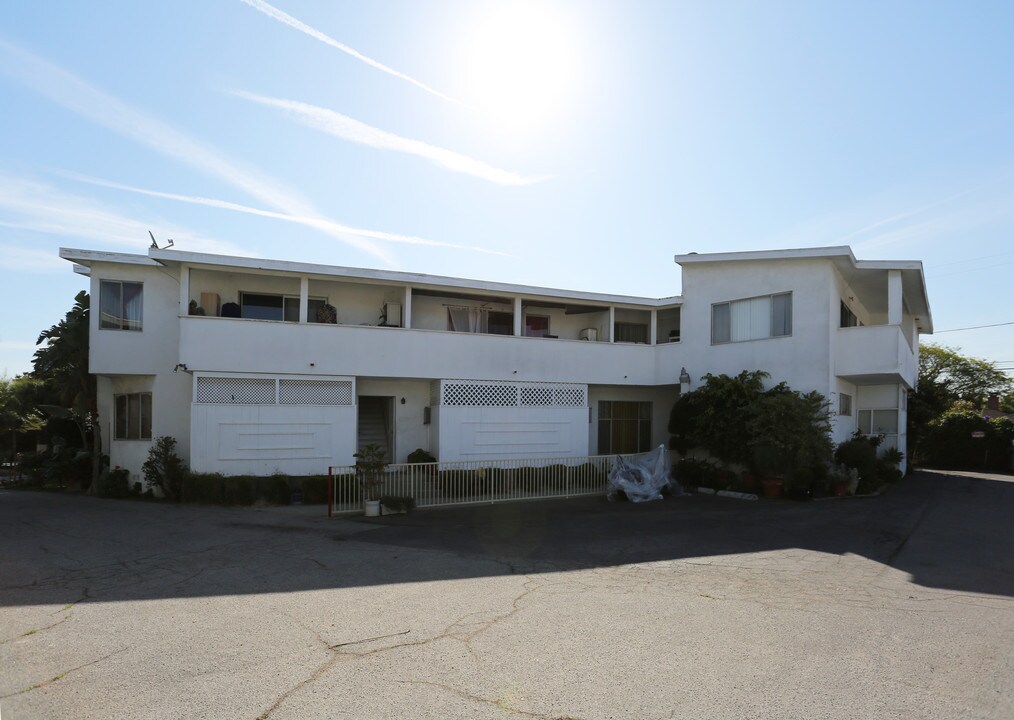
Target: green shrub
<point>164,469</point>
<point>398,503</point>
<point>314,488</point>
<point>949,442</point>
<point>420,456</point>
<point>694,473</point>
<point>115,483</point>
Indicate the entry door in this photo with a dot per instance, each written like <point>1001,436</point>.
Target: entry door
<point>376,423</point>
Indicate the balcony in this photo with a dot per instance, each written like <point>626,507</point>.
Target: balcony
<point>877,354</point>
<point>216,344</point>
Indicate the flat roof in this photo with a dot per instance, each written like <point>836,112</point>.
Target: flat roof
<point>419,280</point>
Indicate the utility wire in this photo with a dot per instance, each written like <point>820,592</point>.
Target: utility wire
<point>974,327</point>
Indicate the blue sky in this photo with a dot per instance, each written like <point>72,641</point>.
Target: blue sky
<point>567,144</point>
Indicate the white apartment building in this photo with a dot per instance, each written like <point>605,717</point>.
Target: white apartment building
<point>257,366</point>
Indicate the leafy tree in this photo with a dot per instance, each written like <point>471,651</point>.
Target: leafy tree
<point>63,365</point>
<point>18,400</point>
<point>772,431</point>
<point>945,377</point>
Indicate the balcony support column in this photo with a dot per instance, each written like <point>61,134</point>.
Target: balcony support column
<point>406,308</point>
<point>184,290</point>
<point>894,295</point>
<point>517,317</point>
<point>654,328</point>
<point>611,330</point>
<point>304,298</point>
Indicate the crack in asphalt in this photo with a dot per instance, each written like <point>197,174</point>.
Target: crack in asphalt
<point>61,676</point>
<point>497,703</point>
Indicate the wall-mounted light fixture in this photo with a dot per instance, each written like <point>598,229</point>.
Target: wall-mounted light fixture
<point>181,366</point>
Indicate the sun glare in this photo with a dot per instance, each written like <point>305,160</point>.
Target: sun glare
<point>520,64</point>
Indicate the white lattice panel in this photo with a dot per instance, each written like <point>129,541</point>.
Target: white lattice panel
<point>236,391</point>
<point>480,394</point>
<point>570,396</point>
<point>538,395</point>
<point>477,393</point>
<point>315,392</point>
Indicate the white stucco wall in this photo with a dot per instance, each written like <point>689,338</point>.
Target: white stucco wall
<point>262,439</point>
<point>491,433</point>
<point>801,360</point>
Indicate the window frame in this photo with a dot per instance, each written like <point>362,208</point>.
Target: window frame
<point>845,404</point>
<point>607,424</point>
<point>627,327</point>
<point>134,428</point>
<point>311,316</point>
<point>724,335</point>
<point>121,320</point>
<point>542,332</point>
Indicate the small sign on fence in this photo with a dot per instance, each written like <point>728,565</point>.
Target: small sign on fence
<point>978,434</point>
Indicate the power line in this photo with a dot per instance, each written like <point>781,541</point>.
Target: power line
<point>974,327</point>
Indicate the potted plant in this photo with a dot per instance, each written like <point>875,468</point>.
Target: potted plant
<point>371,460</point>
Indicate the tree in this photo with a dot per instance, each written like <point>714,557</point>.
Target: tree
<point>63,365</point>
<point>18,399</point>
<point>737,421</point>
<point>946,377</point>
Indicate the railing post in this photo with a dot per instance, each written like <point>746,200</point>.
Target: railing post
<point>330,490</point>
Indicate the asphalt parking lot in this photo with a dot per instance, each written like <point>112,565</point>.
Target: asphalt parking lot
<point>895,607</point>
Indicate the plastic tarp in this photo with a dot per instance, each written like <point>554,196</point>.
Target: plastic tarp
<point>642,477</point>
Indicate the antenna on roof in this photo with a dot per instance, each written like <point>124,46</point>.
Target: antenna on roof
<point>154,245</point>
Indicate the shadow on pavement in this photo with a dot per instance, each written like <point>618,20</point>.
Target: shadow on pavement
<point>947,530</point>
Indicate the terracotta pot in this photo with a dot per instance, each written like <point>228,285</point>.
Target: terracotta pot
<point>772,487</point>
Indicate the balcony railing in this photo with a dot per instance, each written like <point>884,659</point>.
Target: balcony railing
<point>472,482</point>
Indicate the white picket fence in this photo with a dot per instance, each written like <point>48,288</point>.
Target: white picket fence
<point>476,481</point>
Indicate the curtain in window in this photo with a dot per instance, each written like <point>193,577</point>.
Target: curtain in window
<point>720,323</point>
<point>109,306</point>
<point>465,319</point>
<point>133,301</point>
<point>781,315</point>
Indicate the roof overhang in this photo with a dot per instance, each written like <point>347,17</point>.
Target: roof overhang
<point>866,276</point>
<point>419,280</point>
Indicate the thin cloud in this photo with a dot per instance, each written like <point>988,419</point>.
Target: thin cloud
<point>346,128</point>
<point>273,12</point>
<point>68,90</point>
<point>246,209</point>
<point>32,206</point>
<point>28,260</point>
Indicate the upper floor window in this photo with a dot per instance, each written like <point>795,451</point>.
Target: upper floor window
<point>257,306</point>
<point>120,305</point>
<point>848,318</point>
<point>752,319</point>
<point>630,332</point>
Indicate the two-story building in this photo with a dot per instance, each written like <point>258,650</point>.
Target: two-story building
<point>257,366</point>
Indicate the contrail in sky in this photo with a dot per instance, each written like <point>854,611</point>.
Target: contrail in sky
<point>347,128</point>
<point>68,90</point>
<point>326,225</point>
<point>282,17</point>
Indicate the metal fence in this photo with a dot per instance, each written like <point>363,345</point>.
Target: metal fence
<point>475,481</point>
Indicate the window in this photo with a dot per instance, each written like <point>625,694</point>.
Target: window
<point>255,306</point>
<point>132,419</point>
<point>878,422</point>
<point>844,404</point>
<point>848,318</point>
<point>630,332</point>
<point>501,323</point>
<point>479,320</point>
<point>752,319</point>
<point>120,305</point>
<point>624,427</point>
<point>536,325</point>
